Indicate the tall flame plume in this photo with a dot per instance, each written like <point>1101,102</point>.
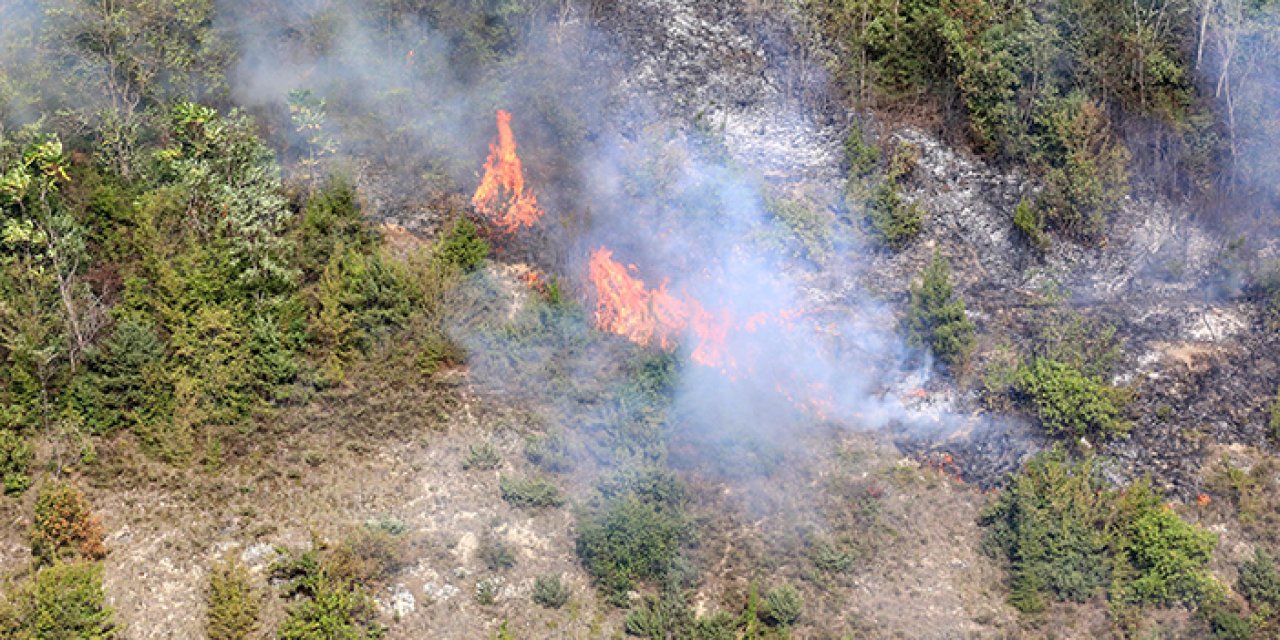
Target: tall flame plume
<point>501,196</point>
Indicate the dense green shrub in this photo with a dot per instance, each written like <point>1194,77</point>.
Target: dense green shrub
<point>324,606</point>
<point>936,316</point>
<point>65,526</point>
<point>633,531</point>
<point>1260,581</point>
<point>782,606</point>
<point>16,456</point>
<point>460,246</point>
<point>550,591</point>
<point>1068,537</point>
<point>895,221</point>
<point>234,606</point>
<point>1030,222</point>
<point>1069,402</point>
<point>127,383</point>
<point>1085,171</point>
<point>860,155</point>
<point>330,223</point>
<point>530,493</point>
<point>65,601</point>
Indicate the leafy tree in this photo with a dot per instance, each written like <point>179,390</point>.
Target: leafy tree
<point>936,317</point>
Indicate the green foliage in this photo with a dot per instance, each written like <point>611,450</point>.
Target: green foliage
<point>325,606</point>
<point>895,221</point>
<point>461,247</point>
<point>234,606</point>
<point>530,493</point>
<point>1169,555</point>
<point>782,606</point>
<point>65,527</point>
<point>1070,402</point>
<point>1067,537</point>
<point>860,155</point>
<point>1028,220</point>
<point>1260,581</point>
<point>307,111</point>
<point>127,382</point>
<point>936,317</point>
<point>550,591</point>
<point>16,456</point>
<point>331,221</point>
<point>65,601</point>
<point>482,457</point>
<point>633,531</point>
<point>1085,172</point>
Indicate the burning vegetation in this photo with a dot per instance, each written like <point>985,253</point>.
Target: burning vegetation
<point>501,197</point>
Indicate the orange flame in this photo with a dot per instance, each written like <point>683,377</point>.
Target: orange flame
<point>627,307</point>
<point>501,196</point>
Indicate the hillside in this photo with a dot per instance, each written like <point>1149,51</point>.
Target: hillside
<point>677,319</point>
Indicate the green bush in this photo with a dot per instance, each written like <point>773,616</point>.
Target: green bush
<point>16,456</point>
<point>460,246</point>
<point>936,316</point>
<point>895,221</point>
<point>330,223</point>
<point>633,531</point>
<point>234,605</point>
<point>1225,624</point>
<point>1028,220</point>
<point>1085,171</point>
<point>65,601</point>
<point>860,155</point>
<point>550,591</point>
<point>1169,554</point>
<point>666,616</point>
<point>127,384</point>
<point>782,606</point>
<point>1069,402</point>
<point>482,457</point>
<point>530,493</point>
<point>324,606</point>
<point>1068,537</point>
<point>1260,581</point>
